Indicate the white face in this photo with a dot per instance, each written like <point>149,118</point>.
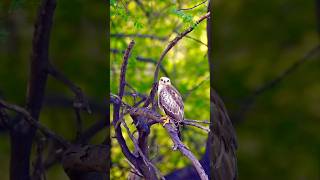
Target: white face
<point>164,81</point>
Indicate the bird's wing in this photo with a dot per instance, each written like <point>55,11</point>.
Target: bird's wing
<point>172,103</point>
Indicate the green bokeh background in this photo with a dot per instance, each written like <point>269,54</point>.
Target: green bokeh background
<point>254,41</point>
<point>77,49</point>
<point>186,64</point>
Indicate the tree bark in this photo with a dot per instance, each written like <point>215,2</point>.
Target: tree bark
<point>22,134</point>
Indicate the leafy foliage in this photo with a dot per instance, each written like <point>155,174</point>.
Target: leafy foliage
<point>186,64</point>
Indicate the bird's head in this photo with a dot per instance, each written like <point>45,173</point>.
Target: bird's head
<point>164,81</point>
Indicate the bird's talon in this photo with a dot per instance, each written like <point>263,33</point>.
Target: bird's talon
<point>166,120</point>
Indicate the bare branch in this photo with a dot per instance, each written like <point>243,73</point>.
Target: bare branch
<point>250,99</point>
<point>185,151</point>
<point>80,101</point>
<point>139,3</point>
<point>33,122</point>
<point>168,48</point>
<point>186,95</point>
<point>116,111</point>
<point>153,37</point>
<point>197,40</point>
<point>196,121</point>
<point>184,9</point>
<point>143,59</point>
<point>196,125</point>
<point>287,71</point>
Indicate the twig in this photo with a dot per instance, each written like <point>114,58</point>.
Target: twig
<point>196,121</point>
<point>184,9</point>
<point>186,95</point>
<point>196,125</point>
<point>35,123</point>
<point>170,46</point>
<point>121,35</point>
<point>250,99</point>
<point>147,13</point>
<point>143,59</point>
<point>80,101</point>
<point>197,40</point>
<point>287,71</point>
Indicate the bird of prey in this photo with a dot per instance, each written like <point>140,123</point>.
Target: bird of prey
<point>170,102</point>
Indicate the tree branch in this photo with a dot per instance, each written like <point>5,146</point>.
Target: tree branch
<point>185,151</point>
<point>22,134</point>
<point>168,48</point>
<point>143,59</point>
<point>153,37</point>
<point>184,9</point>
<point>250,99</point>
<point>155,118</point>
<point>80,101</point>
<point>34,122</point>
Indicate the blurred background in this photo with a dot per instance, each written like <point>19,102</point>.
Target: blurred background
<point>277,126</point>
<point>254,43</point>
<point>77,49</point>
<point>152,24</point>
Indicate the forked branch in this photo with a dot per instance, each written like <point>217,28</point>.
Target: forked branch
<point>168,48</point>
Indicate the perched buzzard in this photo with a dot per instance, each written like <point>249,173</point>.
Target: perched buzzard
<point>170,102</point>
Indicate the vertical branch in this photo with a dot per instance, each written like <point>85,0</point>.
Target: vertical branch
<point>139,162</point>
<point>39,170</point>
<point>116,110</point>
<point>22,134</point>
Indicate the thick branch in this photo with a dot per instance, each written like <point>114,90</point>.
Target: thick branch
<point>185,151</point>
<point>86,158</point>
<point>22,134</point>
<point>155,118</point>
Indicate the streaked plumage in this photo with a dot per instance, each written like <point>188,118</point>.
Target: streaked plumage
<point>170,100</point>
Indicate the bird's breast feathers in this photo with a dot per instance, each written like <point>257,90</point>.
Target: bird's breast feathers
<point>171,101</point>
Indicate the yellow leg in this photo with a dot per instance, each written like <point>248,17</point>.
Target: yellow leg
<point>165,119</point>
